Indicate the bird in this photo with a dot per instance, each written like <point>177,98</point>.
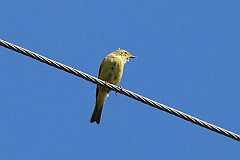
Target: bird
<point>110,71</point>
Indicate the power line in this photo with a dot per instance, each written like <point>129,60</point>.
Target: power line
<point>120,90</point>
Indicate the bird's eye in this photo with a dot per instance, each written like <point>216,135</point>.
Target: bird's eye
<point>125,52</point>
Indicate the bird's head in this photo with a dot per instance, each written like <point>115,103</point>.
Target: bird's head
<point>125,55</point>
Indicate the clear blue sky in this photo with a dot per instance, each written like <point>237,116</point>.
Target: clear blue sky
<point>188,58</point>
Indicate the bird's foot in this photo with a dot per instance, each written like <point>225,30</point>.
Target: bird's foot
<point>120,88</point>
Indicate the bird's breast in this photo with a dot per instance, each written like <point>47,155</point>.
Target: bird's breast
<point>112,70</point>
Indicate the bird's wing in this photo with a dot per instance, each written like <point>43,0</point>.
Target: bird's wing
<point>99,72</point>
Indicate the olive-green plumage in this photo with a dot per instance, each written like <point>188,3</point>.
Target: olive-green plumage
<point>111,71</point>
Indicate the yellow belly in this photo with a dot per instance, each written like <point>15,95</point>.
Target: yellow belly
<point>111,70</point>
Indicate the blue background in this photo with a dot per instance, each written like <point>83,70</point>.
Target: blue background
<point>188,58</point>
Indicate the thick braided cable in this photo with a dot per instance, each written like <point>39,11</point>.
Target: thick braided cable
<point>121,90</point>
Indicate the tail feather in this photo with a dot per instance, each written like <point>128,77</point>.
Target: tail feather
<point>97,114</point>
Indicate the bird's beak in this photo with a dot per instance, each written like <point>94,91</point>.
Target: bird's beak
<point>133,56</point>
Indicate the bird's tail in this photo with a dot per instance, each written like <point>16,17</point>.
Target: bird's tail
<point>96,115</point>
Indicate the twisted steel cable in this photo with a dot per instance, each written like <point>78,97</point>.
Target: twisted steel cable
<point>121,90</point>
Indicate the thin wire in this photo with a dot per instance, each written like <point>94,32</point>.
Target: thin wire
<point>121,90</point>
